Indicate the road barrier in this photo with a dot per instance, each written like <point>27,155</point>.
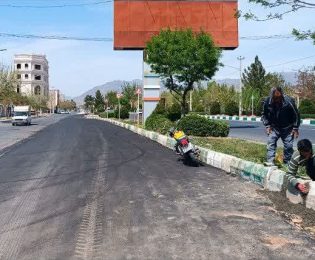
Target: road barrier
<point>271,178</point>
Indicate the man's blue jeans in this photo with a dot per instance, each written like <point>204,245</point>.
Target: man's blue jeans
<point>287,139</point>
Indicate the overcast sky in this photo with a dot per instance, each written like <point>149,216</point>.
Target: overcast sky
<point>76,66</point>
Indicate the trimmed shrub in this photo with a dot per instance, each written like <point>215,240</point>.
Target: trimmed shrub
<point>199,108</point>
<point>303,116</point>
<point>160,109</point>
<point>231,108</point>
<point>174,112</point>
<point>201,126</point>
<point>124,112</point>
<point>215,108</point>
<point>158,123</point>
<point>110,114</point>
<point>307,107</point>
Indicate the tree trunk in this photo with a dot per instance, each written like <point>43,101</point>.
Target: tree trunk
<point>183,112</point>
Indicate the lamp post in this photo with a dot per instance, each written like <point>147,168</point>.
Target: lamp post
<point>106,107</point>
<point>240,58</point>
<point>138,92</point>
<point>252,104</point>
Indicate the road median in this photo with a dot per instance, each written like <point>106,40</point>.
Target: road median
<point>270,178</point>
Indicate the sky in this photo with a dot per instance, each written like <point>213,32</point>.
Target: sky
<point>77,66</point>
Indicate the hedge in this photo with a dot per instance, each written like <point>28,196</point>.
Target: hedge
<point>158,123</point>
<point>303,116</point>
<point>201,126</point>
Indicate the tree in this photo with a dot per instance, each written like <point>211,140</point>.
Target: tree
<point>287,6</point>
<point>89,102</point>
<point>67,105</point>
<point>38,102</point>
<point>254,76</point>
<point>99,101</point>
<point>8,85</point>
<point>129,95</point>
<point>182,58</point>
<point>255,86</point>
<point>306,84</point>
<point>112,100</point>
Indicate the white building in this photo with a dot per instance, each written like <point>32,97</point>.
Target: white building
<point>33,72</point>
<point>54,99</point>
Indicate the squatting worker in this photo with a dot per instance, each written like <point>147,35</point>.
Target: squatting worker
<point>303,157</point>
<point>282,120</point>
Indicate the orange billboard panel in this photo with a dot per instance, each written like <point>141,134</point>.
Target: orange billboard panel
<point>136,21</point>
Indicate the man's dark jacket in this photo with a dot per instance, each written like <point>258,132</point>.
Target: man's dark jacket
<point>284,116</point>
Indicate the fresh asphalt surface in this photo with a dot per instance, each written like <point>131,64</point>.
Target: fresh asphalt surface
<point>85,189</point>
<point>255,131</point>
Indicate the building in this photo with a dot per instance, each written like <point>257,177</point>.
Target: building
<point>54,99</point>
<point>33,72</point>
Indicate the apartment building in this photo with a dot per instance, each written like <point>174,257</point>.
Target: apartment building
<point>33,71</point>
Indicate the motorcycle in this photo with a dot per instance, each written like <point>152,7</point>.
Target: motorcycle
<point>189,152</point>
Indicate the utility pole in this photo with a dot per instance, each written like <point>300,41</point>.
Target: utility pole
<point>252,104</point>
<point>240,58</point>
<point>190,100</point>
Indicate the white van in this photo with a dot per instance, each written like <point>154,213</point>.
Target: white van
<point>22,115</point>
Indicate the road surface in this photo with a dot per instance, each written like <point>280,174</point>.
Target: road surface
<point>85,189</point>
<point>255,131</point>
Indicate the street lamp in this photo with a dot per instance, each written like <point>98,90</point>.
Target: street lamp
<point>240,58</point>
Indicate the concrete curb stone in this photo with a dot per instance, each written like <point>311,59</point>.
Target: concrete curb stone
<point>251,118</point>
<point>271,178</point>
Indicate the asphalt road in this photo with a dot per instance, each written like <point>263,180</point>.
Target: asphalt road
<point>255,131</point>
<point>85,189</point>
<point>10,135</point>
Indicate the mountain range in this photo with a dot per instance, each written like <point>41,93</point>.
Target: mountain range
<point>115,85</point>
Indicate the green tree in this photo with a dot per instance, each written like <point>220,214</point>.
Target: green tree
<point>8,85</point>
<point>67,105</point>
<point>254,79</point>
<point>281,8</point>
<point>112,100</point>
<point>182,58</point>
<point>129,95</point>
<point>99,101</point>
<point>89,102</point>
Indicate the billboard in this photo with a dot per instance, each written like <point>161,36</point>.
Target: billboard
<point>135,21</point>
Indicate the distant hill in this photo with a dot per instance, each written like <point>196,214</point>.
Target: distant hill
<point>109,86</point>
<point>290,77</point>
<point>115,85</point>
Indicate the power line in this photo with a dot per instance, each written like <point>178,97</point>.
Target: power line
<point>267,37</point>
<point>56,6</point>
<point>55,37</point>
<point>291,61</point>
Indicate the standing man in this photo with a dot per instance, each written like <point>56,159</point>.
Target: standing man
<point>282,120</point>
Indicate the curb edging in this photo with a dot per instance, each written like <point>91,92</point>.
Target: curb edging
<point>251,119</point>
<point>270,178</point>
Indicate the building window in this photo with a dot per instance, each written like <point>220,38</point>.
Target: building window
<point>18,66</point>
<point>37,90</point>
<point>37,67</point>
<point>26,76</point>
<point>37,77</point>
<point>18,76</point>
<point>26,66</point>
<point>18,90</point>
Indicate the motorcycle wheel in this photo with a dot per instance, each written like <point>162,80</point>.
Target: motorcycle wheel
<point>193,159</point>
